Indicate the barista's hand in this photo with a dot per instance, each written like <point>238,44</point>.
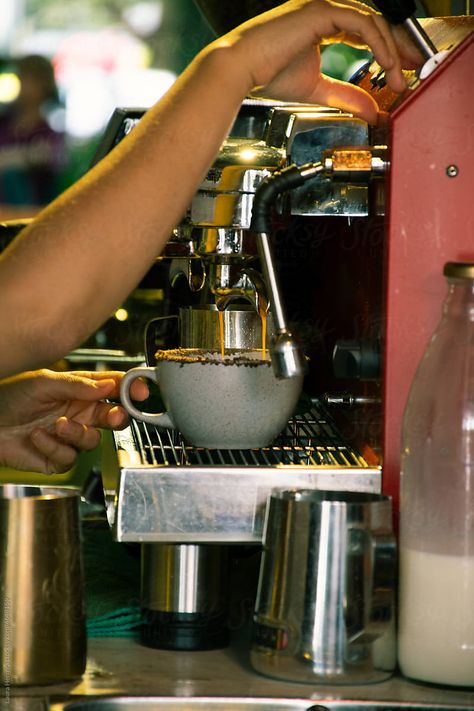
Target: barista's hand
<point>46,418</point>
<point>281,51</point>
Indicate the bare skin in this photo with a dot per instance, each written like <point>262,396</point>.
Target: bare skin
<point>86,251</point>
<point>47,418</point>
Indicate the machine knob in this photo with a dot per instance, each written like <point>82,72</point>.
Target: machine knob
<point>356,359</point>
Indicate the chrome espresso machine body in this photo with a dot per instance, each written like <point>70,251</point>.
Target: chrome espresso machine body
<point>357,249</point>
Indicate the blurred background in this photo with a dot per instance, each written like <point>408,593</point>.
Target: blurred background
<point>65,66</point>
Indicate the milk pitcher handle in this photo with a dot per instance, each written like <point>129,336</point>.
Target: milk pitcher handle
<point>160,419</point>
<point>370,620</point>
<point>381,607</point>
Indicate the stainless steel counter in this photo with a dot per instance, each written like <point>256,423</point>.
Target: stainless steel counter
<point>121,666</point>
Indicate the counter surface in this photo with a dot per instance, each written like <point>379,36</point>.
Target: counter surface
<point>122,666</point>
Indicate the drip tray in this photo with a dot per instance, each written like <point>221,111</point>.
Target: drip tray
<point>171,492</point>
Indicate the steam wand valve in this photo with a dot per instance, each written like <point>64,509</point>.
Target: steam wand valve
<point>287,359</point>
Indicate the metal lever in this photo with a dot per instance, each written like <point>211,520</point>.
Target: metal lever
<point>400,12</point>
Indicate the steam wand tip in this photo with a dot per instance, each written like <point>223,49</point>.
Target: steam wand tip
<point>287,358</point>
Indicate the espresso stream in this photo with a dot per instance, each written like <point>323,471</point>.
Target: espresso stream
<point>263,319</point>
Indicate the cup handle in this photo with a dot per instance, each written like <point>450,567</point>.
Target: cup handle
<point>159,419</point>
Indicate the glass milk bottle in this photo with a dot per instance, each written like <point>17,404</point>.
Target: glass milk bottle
<point>436,617</point>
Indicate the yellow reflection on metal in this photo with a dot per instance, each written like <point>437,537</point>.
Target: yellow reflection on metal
<point>248,154</point>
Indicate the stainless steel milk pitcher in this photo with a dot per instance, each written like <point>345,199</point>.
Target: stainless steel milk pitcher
<point>325,599</point>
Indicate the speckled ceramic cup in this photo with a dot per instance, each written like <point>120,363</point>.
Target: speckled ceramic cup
<point>230,402</point>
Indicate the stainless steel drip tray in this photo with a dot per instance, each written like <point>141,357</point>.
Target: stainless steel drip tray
<point>171,492</point>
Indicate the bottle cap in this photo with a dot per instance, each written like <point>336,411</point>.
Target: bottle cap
<point>459,270</point>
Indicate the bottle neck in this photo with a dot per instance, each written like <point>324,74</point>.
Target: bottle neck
<point>459,302</point>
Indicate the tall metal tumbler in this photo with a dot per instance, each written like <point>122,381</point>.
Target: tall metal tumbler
<point>42,620</point>
<point>325,600</point>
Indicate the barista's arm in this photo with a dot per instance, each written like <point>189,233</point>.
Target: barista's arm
<point>85,252</point>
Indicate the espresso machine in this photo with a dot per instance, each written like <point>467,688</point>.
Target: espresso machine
<point>345,251</point>
<point>216,263</point>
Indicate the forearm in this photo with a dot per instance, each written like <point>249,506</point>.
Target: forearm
<point>85,253</point>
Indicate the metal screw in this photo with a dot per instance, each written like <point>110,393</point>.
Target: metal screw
<point>452,171</point>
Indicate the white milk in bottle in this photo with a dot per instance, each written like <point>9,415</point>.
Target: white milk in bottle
<point>436,574</point>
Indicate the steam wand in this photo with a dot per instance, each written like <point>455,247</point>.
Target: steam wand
<point>287,359</point>
<point>349,164</point>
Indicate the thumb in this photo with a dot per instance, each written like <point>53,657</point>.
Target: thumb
<point>340,94</point>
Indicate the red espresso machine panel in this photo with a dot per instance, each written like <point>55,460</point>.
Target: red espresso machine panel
<point>430,220</point>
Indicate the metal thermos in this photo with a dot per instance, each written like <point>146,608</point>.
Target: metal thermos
<point>42,619</point>
<point>184,596</point>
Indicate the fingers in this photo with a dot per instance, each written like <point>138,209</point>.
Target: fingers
<point>60,449</point>
<point>372,28</point>
<point>116,418</point>
<point>72,386</point>
<point>58,456</point>
<point>356,24</point>
<point>352,19</point>
<point>393,75</point>
<point>103,416</point>
<point>77,435</point>
<point>293,73</point>
<point>353,99</point>
<point>410,55</point>
<point>138,391</point>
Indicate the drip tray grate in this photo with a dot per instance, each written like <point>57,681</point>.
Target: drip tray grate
<point>169,492</point>
<point>309,439</point>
